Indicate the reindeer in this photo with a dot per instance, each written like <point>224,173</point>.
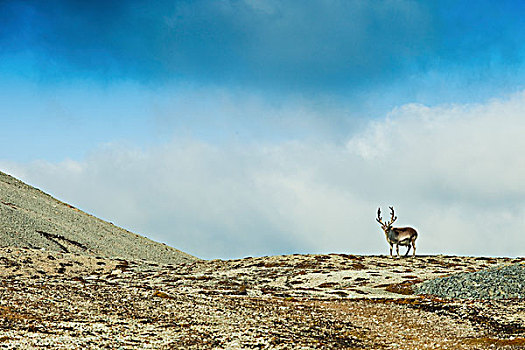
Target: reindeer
<point>405,236</point>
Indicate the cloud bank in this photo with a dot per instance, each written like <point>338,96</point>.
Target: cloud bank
<point>454,172</point>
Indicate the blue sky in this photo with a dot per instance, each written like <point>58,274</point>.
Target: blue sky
<point>216,104</point>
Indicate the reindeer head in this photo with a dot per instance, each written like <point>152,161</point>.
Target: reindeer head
<point>386,226</point>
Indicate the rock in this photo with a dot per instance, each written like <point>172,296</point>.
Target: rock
<point>502,282</point>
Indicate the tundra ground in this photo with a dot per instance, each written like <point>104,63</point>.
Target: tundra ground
<point>63,301</point>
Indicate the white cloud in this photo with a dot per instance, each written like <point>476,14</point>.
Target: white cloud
<point>454,172</point>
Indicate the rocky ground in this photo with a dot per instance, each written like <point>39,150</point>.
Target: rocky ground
<point>32,218</point>
<point>65,300</point>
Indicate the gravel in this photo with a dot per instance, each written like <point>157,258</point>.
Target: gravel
<point>502,282</point>
<point>31,218</point>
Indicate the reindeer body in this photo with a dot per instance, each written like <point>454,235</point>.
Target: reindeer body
<point>404,236</point>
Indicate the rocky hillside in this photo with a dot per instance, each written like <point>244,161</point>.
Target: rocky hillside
<point>31,218</point>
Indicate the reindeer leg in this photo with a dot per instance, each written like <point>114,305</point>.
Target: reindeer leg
<point>414,245</point>
<point>391,246</point>
<point>397,250</point>
<point>408,250</point>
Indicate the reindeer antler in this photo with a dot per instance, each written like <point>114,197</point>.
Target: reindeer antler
<point>379,218</point>
<point>392,217</point>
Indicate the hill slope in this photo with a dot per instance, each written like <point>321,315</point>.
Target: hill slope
<point>34,219</point>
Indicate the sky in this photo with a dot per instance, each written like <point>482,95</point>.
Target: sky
<point>235,128</point>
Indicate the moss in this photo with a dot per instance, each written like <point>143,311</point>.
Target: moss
<point>358,266</point>
<point>163,295</point>
<point>327,285</point>
<point>453,310</point>
<point>404,288</point>
<point>8,313</point>
<point>518,341</point>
